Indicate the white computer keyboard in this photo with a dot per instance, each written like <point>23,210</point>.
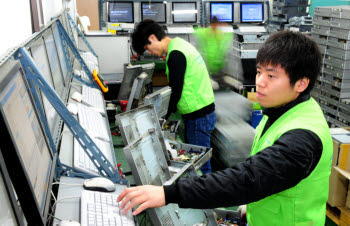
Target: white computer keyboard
<point>92,97</point>
<point>180,30</point>
<point>93,122</point>
<point>226,29</point>
<point>84,76</point>
<point>100,208</point>
<point>260,29</point>
<point>91,66</point>
<point>88,56</point>
<point>81,160</point>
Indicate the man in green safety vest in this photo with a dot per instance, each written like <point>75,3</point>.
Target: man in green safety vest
<point>285,180</point>
<point>191,91</point>
<point>214,44</point>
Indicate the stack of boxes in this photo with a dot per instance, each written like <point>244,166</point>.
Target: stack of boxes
<point>331,30</point>
<point>339,195</point>
<point>283,10</point>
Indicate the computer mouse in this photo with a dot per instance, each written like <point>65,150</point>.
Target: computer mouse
<point>77,72</point>
<point>72,108</point>
<point>69,223</point>
<point>77,96</point>
<point>99,184</point>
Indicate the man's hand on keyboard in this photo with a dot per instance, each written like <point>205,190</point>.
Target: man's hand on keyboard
<point>148,196</point>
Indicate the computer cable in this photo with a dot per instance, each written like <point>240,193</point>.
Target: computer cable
<point>175,141</point>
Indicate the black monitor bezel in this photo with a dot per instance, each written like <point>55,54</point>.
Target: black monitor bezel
<point>210,10</point>
<point>132,11</point>
<point>251,3</point>
<point>18,174</point>
<point>165,15</point>
<point>193,22</point>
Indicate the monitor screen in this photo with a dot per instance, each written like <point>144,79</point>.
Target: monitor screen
<point>68,28</point>
<point>27,140</point>
<point>60,49</point>
<point>40,58</point>
<point>155,11</point>
<point>54,62</point>
<point>252,12</point>
<point>138,91</point>
<point>121,12</point>
<point>41,61</point>
<point>222,10</point>
<point>184,12</point>
<point>130,74</point>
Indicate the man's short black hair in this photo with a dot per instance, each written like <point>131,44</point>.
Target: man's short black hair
<point>297,54</point>
<point>143,30</point>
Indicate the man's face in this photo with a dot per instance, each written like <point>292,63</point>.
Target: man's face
<point>155,48</point>
<point>273,87</point>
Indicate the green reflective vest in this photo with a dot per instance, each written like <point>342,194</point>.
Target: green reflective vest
<point>305,203</point>
<point>197,91</point>
<point>213,47</point>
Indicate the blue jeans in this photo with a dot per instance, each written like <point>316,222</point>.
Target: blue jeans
<point>197,132</point>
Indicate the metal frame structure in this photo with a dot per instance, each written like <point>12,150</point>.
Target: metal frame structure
<point>35,78</point>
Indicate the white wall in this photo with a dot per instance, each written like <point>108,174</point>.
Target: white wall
<point>16,21</point>
<point>51,8</point>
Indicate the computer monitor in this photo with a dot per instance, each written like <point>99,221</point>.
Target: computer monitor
<point>130,73</point>
<point>148,166</point>
<point>148,69</point>
<point>138,91</point>
<point>252,12</point>
<point>60,49</point>
<point>223,11</point>
<point>54,62</point>
<point>153,10</point>
<point>9,210</point>
<point>69,29</point>
<point>160,100</point>
<point>38,51</point>
<point>40,58</point>
<point>121,12</point>
<point>138,121</point>
<point>184,12</point>
<point>27,154</point>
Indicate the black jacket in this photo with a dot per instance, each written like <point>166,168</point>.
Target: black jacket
<point>281,166</point>
<point>177,69</point>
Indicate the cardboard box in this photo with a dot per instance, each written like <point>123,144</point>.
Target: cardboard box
<point>338,187</point>
<point>252,97</point>
<point>341,148</point>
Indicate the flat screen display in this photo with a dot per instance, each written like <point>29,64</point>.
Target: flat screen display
<point>27,135</point>
<point>222,10</point>
<point>121,12</point>
<point>60,49</point>
<point>154,11</point>
<point>184,12</point>
<point>252,12</point>
<point>54,62</point>
<point>40,58</point>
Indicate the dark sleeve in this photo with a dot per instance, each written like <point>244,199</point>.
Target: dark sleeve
<point>177,67</point>
<point>279,167</point>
